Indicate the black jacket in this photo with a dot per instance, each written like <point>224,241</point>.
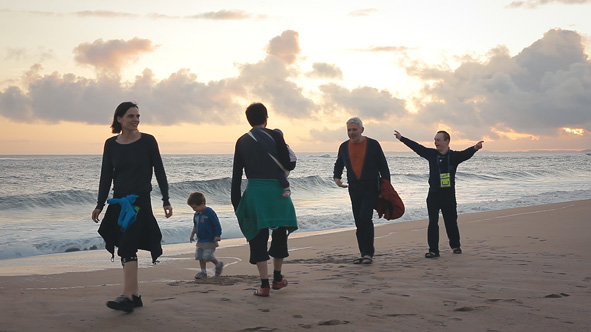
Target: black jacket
<point>375,165</point>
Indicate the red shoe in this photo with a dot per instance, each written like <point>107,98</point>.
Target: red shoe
<point>263,291</point>
<point>280,284</point>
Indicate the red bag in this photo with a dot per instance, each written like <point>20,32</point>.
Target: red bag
<point>389,204</point>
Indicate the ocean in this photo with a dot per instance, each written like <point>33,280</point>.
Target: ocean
<point>46,201</point>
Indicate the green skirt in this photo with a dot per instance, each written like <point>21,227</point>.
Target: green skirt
<point>263,206</point>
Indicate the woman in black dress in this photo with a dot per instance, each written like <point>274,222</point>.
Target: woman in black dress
<point>129,159</point>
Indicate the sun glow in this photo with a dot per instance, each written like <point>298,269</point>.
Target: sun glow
<point>513,135</point>
<point>576,131</point>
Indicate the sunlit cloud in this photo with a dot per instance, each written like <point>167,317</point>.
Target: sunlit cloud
<point>223,15</point>
<point>527,96</point>
<point>363,12</point>
<point>285,47</point>
<point>33,12</point>
<point>377,49</point>
<point>325,70</point>
<point>531,4</point>
<point>513,135</point>
<point>541,89</point>
<point>162,16</point>
<point>111,55</point>
<point>575,131</point>
<point>104,14</point>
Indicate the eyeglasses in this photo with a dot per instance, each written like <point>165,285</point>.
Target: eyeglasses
<point>439,140</point>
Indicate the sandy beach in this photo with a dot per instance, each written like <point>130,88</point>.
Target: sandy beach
<point>523,269</point>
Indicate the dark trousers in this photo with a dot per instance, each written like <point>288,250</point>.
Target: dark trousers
<point>446,202</point>
<point>258,245</point>
<point>363,200</point>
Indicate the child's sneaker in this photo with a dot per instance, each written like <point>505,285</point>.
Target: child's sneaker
<point>287,192</point>
<point>218,268</point>
<point>201,275</point>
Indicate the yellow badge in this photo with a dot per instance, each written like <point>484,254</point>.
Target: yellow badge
<point>445,180</point>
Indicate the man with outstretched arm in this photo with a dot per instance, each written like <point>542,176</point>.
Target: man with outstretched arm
<point>443,163</point>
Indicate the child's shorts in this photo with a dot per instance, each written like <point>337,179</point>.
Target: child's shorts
<point>205,251</point>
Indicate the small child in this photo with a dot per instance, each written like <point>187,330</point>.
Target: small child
<point>208,229</point>
<point>283,174</point>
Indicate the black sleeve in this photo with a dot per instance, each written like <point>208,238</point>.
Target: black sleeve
<point>382,163</point>
<point>464,155</point>
<point>339,164</point>
<point>106,176</point>
<point>159,171</point>
<point>416,147</point>
<point>237,167</point>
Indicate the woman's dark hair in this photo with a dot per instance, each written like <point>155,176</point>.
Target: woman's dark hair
<point>256,114</point>
<point>120,112</point>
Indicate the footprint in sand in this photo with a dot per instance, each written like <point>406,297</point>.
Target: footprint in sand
<point>504,300</point>
<point>258,328</point>
<point>333,322</point>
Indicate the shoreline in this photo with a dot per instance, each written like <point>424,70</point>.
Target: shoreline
<point>99,259</point>
<point>522,269</point>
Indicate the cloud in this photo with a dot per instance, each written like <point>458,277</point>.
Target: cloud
<point>363,12</point>
<point>545,87</point>
<point>375,49</point>
<point>111,55</point>
<point>531,4</point>
<point>176,99</point>
<point>365,102</point>
<point>15,54</point>
<point>34,12</point>
<point>325,70</point>
<point>223,15</point>
<point>535,93</point>
<point>104,14</point>
<point>157,16</point>
<point>268,80</point>
<point>285,47</point>
<point>180,98</point>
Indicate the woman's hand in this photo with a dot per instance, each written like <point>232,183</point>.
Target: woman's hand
<point>168,211</point>
<point>95,215</point>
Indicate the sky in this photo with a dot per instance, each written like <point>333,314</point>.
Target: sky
<point>515,74</point>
